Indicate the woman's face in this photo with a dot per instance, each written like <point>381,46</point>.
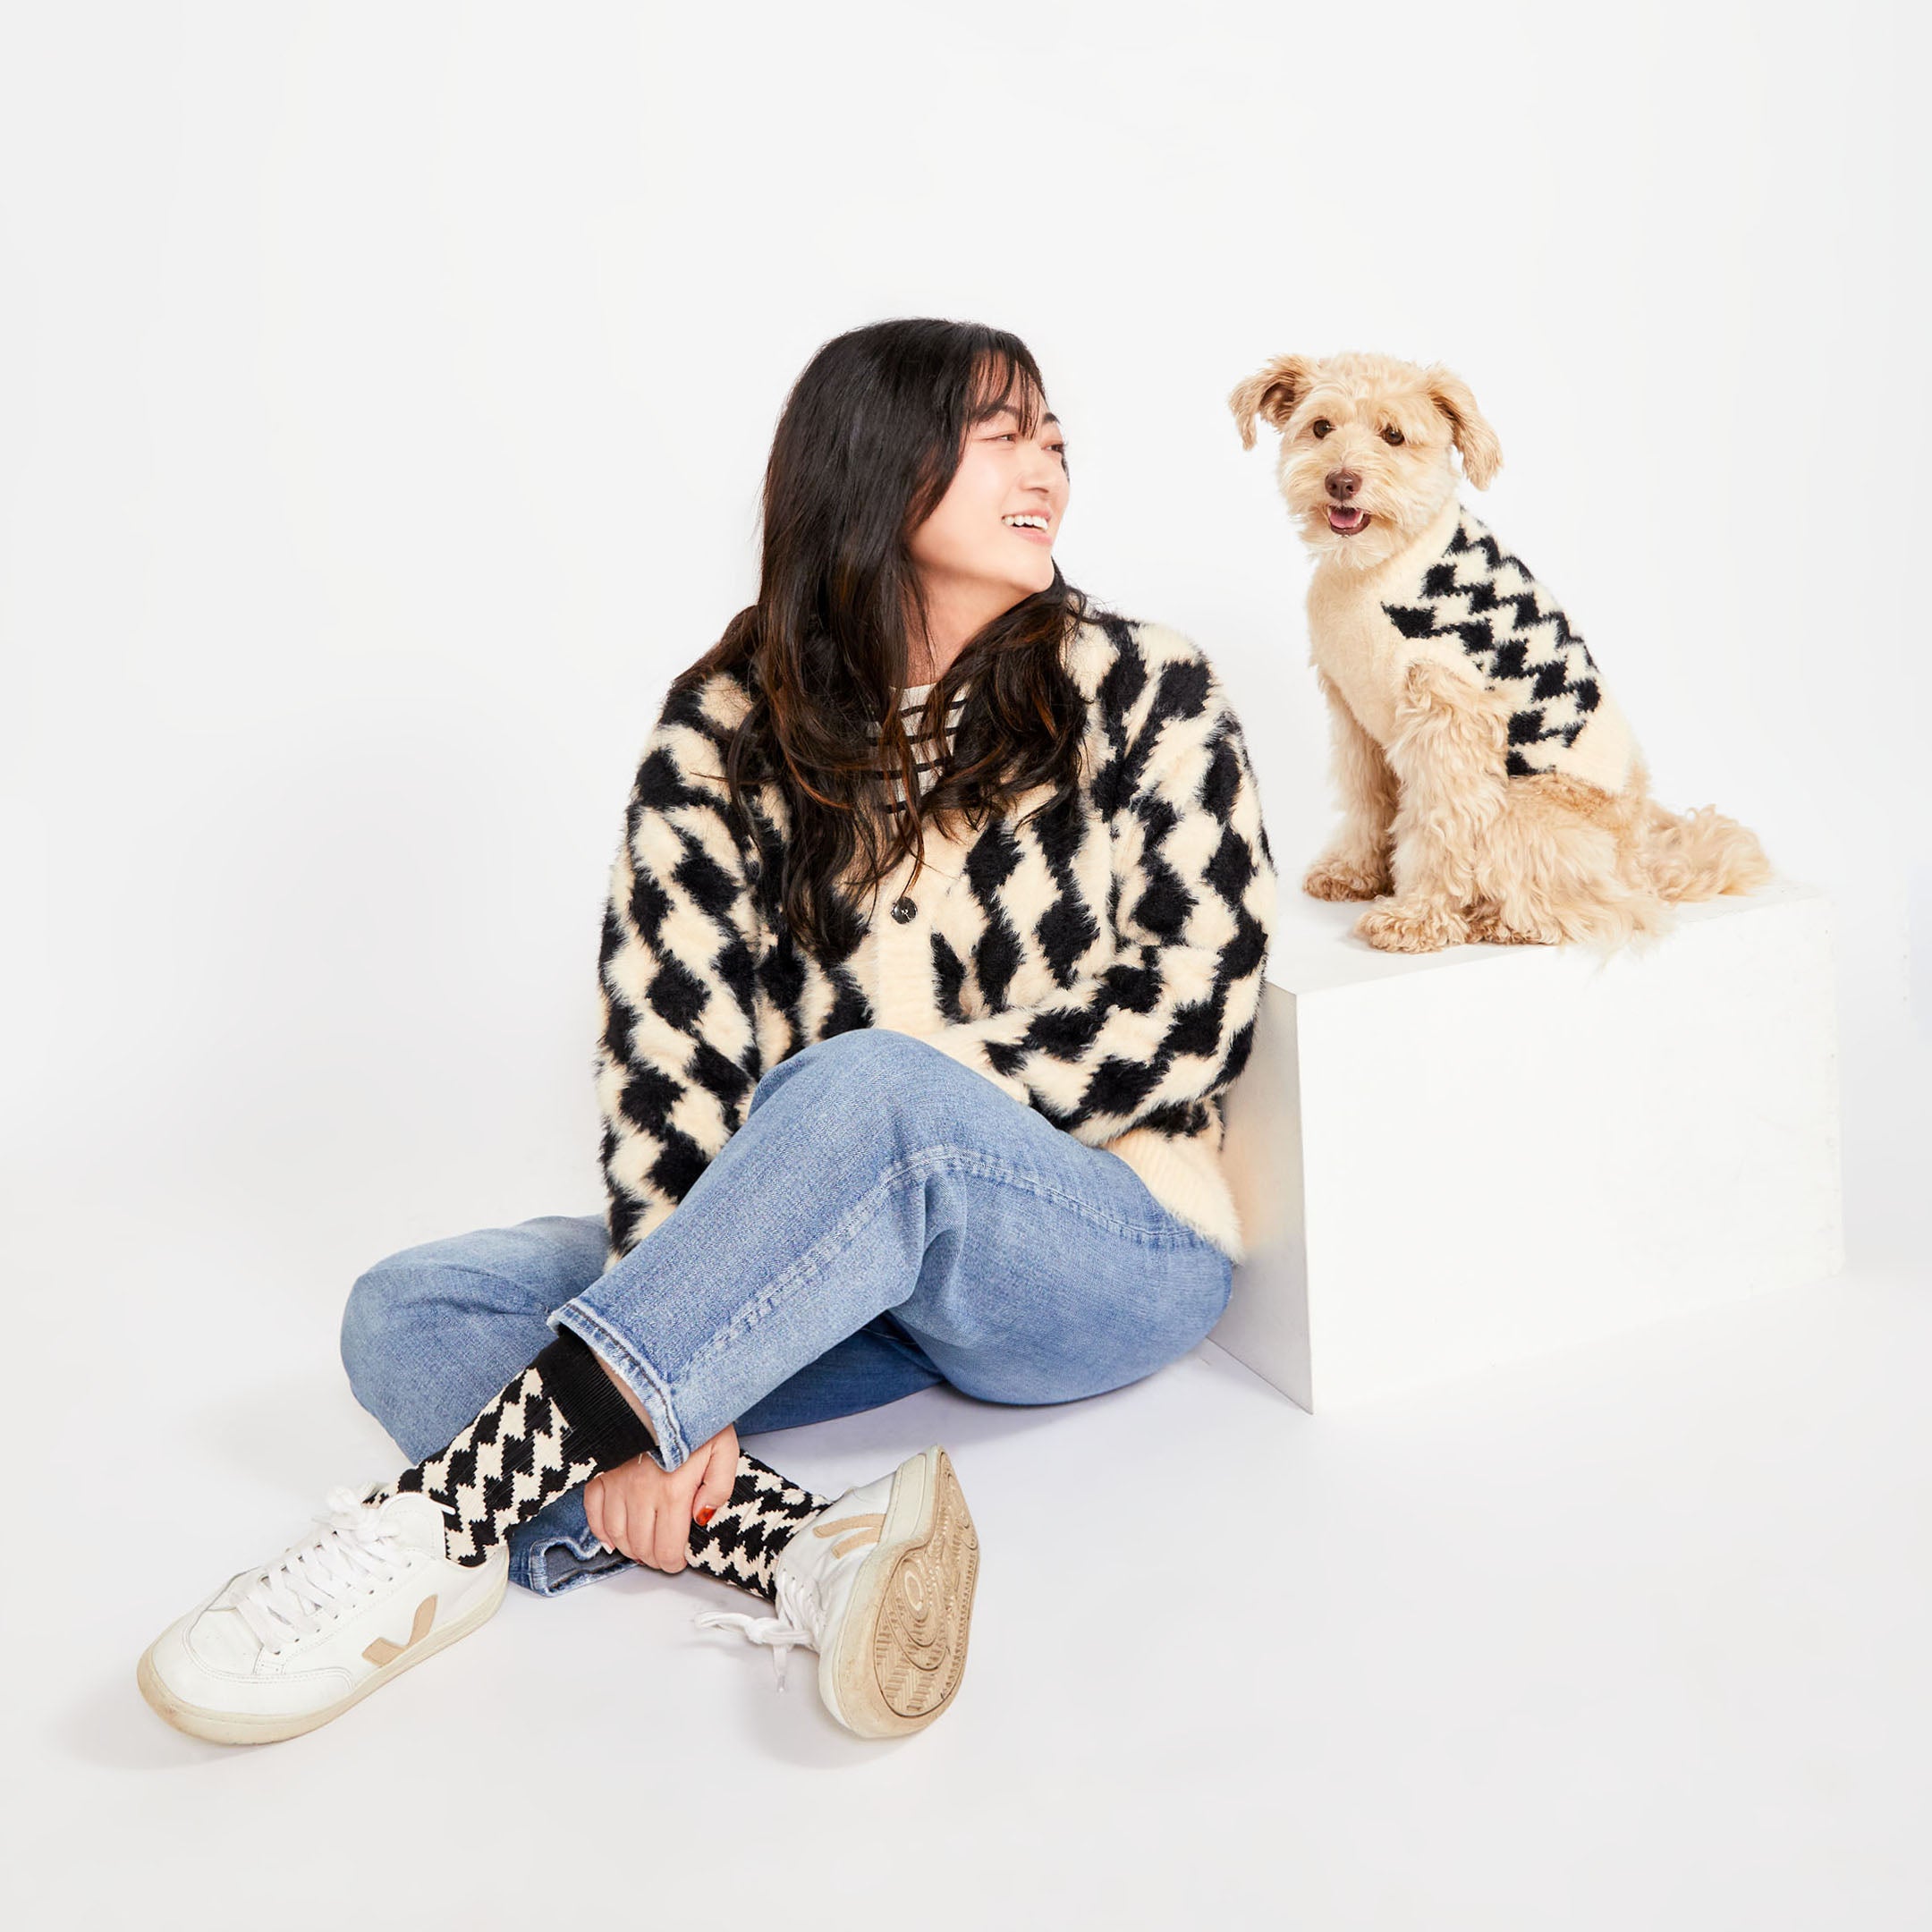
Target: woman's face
<point>989,542</point>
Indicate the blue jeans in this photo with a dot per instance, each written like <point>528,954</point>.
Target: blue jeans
<point>883,1219</point>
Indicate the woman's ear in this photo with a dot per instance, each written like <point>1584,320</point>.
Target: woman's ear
<point>1482,455</point>
<point>1271,392</point>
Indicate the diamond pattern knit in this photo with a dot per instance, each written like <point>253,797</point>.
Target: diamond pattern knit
<point>1515,634</point>
<point>498,1470</point>
<point>522,1452</point>
<point>1102,959</point>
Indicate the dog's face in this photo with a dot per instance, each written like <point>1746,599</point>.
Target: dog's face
<point>1365,448</point>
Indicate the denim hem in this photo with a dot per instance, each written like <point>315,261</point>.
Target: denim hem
<point>580,1565</point>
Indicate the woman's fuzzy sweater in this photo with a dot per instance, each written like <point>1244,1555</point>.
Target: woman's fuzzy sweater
<point>1101,963</point>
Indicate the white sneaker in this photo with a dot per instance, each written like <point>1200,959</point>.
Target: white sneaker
<point>881,1587</point>
<point>280,1651</point>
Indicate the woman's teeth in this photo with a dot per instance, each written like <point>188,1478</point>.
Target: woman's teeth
<point>1025,522</point>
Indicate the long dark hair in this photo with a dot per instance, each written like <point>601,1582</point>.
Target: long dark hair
<point>869,439</point>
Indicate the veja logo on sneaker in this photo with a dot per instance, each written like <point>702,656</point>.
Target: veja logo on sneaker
<point>382,1651</point>
<point>864,1530</point>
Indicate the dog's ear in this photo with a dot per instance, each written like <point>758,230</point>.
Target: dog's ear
<point>1482,455</point>
<point>1271,392</point>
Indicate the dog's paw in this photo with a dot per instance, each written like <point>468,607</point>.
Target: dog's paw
<point>1486,928</point>
<point>1411,926</point>
<point>1338,877</point>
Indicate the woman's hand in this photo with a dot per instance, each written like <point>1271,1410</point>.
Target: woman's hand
<point>647,1513</point>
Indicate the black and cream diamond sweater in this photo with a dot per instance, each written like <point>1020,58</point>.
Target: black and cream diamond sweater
<point>1101,963</point>
<point>1457,595</point>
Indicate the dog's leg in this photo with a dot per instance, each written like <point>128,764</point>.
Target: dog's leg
<point>1447,753</point>
<point>1356,864</point>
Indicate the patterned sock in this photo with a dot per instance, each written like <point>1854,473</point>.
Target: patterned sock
<point>742,1541</point>
<point>553,1426</point>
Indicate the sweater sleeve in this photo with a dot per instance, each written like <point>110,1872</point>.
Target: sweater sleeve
<point>678,1055</point>
<point>1144,1038</point>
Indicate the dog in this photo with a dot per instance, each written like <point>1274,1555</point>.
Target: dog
<point>1491,788</point>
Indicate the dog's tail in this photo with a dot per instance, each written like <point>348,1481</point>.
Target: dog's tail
<point>1700,854</point>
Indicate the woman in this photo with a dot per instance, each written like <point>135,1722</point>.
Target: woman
<point>935,939</point>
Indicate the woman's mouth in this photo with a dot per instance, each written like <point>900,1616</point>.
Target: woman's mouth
<point>1344,521</point>
<point>1032,527</point>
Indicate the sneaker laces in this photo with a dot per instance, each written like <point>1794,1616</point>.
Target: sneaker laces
<point>287,1600</point>
<point>796,1621</point>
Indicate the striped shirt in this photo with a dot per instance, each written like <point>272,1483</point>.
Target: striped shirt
<point>926,756</point>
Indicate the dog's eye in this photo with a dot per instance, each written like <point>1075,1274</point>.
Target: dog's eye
<point>1392,436</point>
<point>1320,426</point>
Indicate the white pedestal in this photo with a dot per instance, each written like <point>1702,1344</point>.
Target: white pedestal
<point>1448,1161</point>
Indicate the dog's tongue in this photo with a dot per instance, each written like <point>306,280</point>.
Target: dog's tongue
<point>1344,519</point>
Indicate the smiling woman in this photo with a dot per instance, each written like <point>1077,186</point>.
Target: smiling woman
<point>915,492</point>
<point>901,1084</point>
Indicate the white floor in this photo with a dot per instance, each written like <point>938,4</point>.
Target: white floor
<point>1632,1636</point>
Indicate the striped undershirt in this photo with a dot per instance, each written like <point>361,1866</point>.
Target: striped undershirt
<point>910,705</point>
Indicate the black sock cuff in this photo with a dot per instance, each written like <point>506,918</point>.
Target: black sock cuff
<point>601,1425</point>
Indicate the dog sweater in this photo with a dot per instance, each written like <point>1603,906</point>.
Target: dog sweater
<point>1101,960</point>
<point>1507,626</point>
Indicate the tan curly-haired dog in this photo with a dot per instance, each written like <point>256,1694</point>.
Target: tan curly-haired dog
<point>1488,779</point>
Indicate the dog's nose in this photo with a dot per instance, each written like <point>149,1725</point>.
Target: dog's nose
<point>1341,484</point>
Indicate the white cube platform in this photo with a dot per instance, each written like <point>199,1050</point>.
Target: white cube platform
<point>1455,1159</point>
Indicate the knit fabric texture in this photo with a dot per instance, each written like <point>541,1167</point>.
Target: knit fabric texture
<point>1513,633</point>
<point>524,1449</point>
<point>501,1469</point>
<point>742,1543</point>
<point>1101,962</point>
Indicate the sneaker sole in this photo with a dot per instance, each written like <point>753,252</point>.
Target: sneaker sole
<point>247,1727</point>
<point>912,1611</point>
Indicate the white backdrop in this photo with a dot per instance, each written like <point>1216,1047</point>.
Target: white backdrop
<point>386,389</point>
<point>384,393</point>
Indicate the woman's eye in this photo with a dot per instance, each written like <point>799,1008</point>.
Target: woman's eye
<point>1320,426</point>
<point>1391,436</point>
